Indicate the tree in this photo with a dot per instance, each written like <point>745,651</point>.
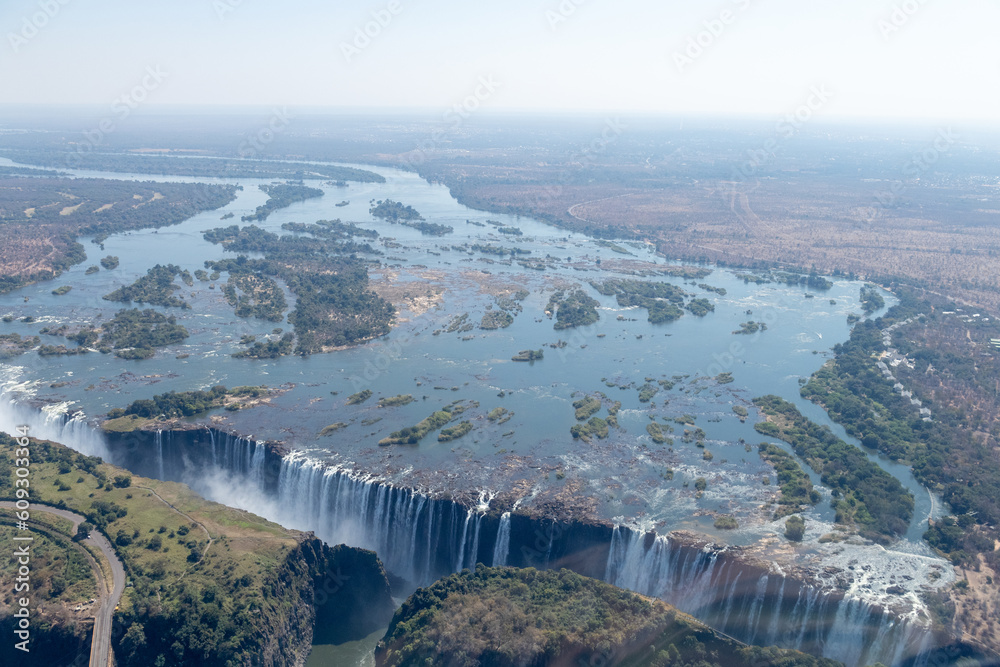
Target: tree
<point>83,531</point>
<point>134,640</point>
<point>795,528</point>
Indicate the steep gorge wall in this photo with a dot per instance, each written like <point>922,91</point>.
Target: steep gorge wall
<point>421,538</point>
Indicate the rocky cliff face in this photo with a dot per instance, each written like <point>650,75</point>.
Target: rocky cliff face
<point>350,592</point>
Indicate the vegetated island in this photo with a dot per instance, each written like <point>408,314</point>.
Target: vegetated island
<point>132,334</point>
<point>412,435</point>
<point>865,496</point>
<point>281,196</point>
<point>212,585</point>
<point>334,304</point>
<point>532,617</point>
<point>797,492</point>
<point>155,288</point>
<point>147,413</point>
<point>401,214</point>
<point>529,355</point>
<point>662,301</point>
<point>572,309</point>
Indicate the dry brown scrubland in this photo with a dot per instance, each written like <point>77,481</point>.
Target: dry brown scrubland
<point>935,238</point>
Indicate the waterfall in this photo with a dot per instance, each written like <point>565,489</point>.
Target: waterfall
<point>502,547</point>
<point>52,422</point>
<point>159,453</point>
<point>748,604</point>
<point>420,538</point>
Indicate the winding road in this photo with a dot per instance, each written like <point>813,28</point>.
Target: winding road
<point>100,646</point>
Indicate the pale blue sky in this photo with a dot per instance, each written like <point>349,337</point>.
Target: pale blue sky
<point>943,62</point>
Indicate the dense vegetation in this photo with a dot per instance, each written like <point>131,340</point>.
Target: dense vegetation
<point>864,495</point>
<point>155,288</point>
<point>133,334</point>
<point>871,300</point>
<point>185,404</point>
<point>411,435</point>
<point>750,328</point>
<point>700,307</point>
<point>596,426</point>
<point>954,375</point>
<point>573,309</point>
<point>501,251</point>
<point>797,492</point>
<point>586,407</point>
<point>813,280</point>
<point>334,305</point>
<point>393,211</point>
<point>528,618</point>
<point>455,432</point>
<point>401,214</point>
<point>180,166</point>
<point>14,345</point>
<point>281,196</point>
<point>529,355</point>
<point>661,300</point>
<point>255,296</point>
<point>272,348</point>
<point>332,230</point>
<point>360,397</point>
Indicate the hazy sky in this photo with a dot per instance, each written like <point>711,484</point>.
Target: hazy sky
<point>933,59</point>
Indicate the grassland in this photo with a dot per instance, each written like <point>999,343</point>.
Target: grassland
<point>210,584</point>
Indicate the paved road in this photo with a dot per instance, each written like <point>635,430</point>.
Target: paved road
<point>100,647</point>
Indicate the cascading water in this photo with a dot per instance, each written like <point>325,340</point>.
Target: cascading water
<point>159,453</point>
<point>502,547</point>
<point>827,623</point>
<point>421,538</point>
<point>52,422</point>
